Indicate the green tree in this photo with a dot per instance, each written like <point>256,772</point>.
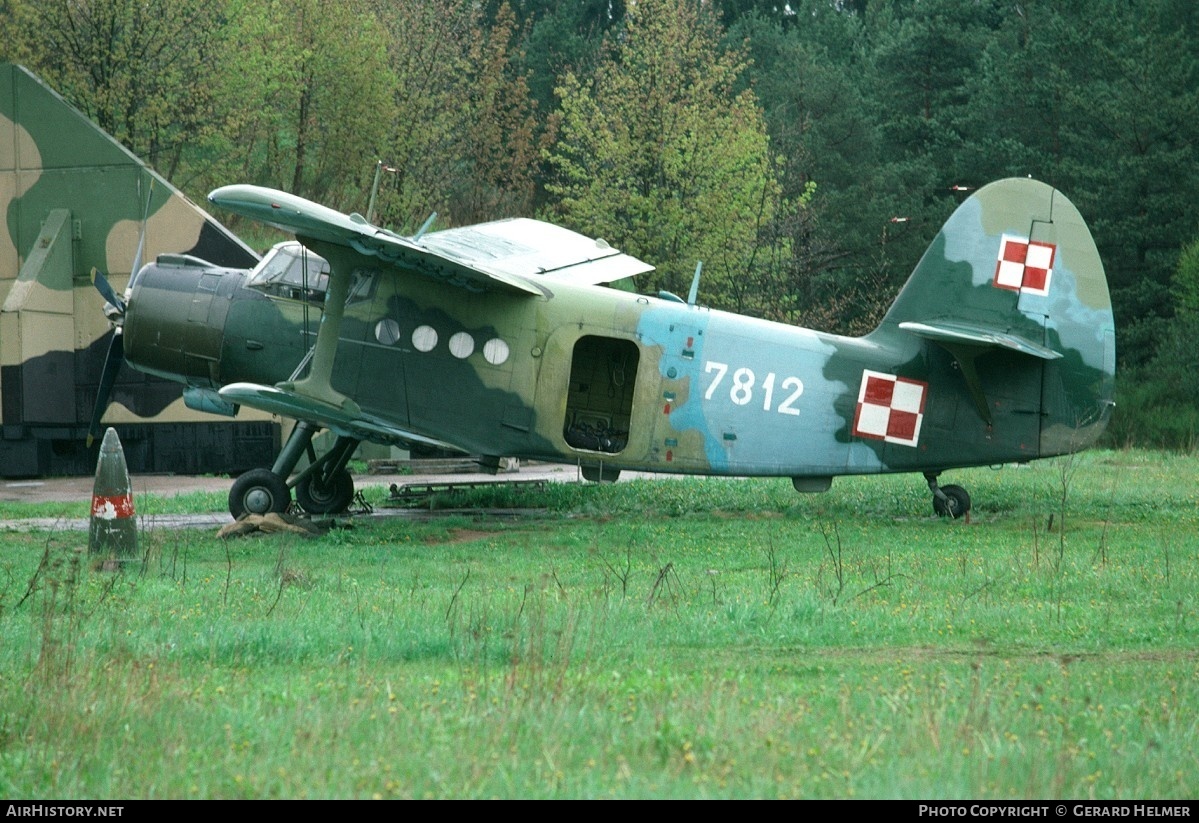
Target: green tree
<point>660,154</point>
<point>1131,154</point>
<point>463,141</point>
<point>1186,280</point>
<point>565,37</point>
<point>1160,407</point>
<point>829,267</point>
<point>142,71</point>
<point>428,44</point>
<point>500,134</point>
<point>309,92</point>
<point>1102,99</point>
<point>923,55</point>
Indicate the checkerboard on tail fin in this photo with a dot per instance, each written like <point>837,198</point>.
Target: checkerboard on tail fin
<point>1014,278</point>
<point>1024,265</point>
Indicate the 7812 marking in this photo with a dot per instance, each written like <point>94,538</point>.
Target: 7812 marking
<point>741,389</point>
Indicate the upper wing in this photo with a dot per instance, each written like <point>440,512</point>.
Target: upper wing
<point>504,255</point>
<point>527,248</point>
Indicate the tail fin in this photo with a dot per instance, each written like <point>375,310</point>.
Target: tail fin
<point>1015,271</point>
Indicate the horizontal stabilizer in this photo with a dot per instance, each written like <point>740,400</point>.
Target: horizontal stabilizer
<point>967,334</point>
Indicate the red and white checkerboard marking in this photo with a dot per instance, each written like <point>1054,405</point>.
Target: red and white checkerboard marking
<point>890,408</point>
<point>1024,265</point>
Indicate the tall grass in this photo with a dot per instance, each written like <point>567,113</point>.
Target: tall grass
<point>668,638</point>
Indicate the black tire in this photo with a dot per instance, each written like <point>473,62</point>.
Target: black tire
<point>258,491</point>
<point>317,496</point>
<point>955,504</point>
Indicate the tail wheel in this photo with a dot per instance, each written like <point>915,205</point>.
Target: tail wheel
<point>955,504</point>
<point>258,491</point>
<point>325,495</point>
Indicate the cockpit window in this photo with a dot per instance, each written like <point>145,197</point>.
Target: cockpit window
<point>292,271</point>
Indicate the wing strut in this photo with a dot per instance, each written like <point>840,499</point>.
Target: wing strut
<point>317,386</point>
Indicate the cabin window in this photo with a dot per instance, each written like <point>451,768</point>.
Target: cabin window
<point>599,402</point>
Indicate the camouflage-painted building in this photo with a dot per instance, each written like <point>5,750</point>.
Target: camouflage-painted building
<point>74,199</point>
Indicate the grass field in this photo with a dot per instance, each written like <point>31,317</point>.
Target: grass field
<point>674,638</point>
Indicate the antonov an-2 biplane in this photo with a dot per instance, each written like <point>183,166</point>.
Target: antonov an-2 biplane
<point>505,339</point>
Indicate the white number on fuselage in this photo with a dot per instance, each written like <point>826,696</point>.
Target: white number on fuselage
<point>741,391</point>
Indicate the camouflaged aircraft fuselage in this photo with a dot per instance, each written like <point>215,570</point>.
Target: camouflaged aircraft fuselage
<point>999,348</point>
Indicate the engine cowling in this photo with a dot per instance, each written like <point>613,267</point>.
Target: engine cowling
<point>175,320</point>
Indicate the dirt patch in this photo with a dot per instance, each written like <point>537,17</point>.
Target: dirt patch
<point>461,536</point>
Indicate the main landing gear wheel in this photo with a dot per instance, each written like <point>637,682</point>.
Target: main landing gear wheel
<point>325,495</point>
<point>955,504</point>
<point>258,491</point>
<point>948,501</point>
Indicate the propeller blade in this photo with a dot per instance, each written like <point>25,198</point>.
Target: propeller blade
<point>116,346</point>
<point>112,366</point>
<point>141,241</point>
<point>106,290</point>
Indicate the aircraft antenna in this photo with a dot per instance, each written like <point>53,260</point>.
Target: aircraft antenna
<point>691,295</point>
<point>370,206</point>
<point>380,167</point>
<point>424,227</point>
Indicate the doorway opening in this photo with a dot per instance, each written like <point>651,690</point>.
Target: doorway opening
<point>599,401</point>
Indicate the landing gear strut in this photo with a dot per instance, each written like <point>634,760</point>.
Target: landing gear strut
<point>325,487</point>
<point>948,501</point>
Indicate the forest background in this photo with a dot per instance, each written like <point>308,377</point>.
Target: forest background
<point>807,152</point>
